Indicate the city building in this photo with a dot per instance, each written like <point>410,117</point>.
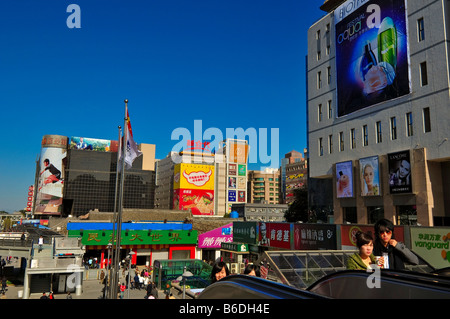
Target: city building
<point>296,176</point>
<point>289,158</point>
<point>264,186</point>
<point>201,181</point>
<point>261,211</point>
<point>76,175</point>
<point>378,119</point>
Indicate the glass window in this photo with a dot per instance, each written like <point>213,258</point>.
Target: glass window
<point>352,138</point>
<point>319,113</point>
<point>320,147</point>
<point>426,120</point>
<point>393,128</point>
<point>319,80</point>
<point>409,124</point>
<point>365,136</point>
<point>329,75</point>
<point>330,143</point>
<point>341,141</point>
<point>420,30</point>
<point>330,110</point>
<point>379,136</point>
<point>423,74</point>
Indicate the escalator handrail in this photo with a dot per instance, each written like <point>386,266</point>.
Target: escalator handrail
<point>266,287</point>
<point>404,276</point>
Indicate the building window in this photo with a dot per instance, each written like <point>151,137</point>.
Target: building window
<point>426,120</point>
<point>423,74</point>
<point>409,124</point>
<point>341,141</point>
<point>393,128</point>
<point>318,45</point>
<point>352,139</point>
<point>329,75</point>
<point>319,80</point>
<point>420,30</point>
<point>330,143</point>
<point>365,136</point>
<point>319,113</point>
<point>330,110</point>
<point>320,147</point>
<point>379,136</point>
<point>328,39</point>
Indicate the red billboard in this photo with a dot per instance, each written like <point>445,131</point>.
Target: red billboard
<point>275,235</point>
<point>199,201</point>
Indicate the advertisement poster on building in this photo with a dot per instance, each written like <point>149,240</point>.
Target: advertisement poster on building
<point>232,196</point>
<point>432,244</point>
<point>246,232</point>
<point>93,144</point>
<point>344,179</point>
<point>399,172</point>
<point>199,201</point>
<point>275,235</point>
<point>238,153</point>
<point>314,236</point>
<point>232,169</point>
<point>214,238</point>
<point>232,182</point>
<point>372,58</point>
<point>242,170</point>
<point>51,179</point>
<point>241,196</point>
<point>369,174</point>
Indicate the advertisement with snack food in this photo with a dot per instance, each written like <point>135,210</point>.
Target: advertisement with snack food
<point>372,58</point>
<point>193,176</point>
<point>200,202</point>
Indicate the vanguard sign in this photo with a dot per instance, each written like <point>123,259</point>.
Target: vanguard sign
<point>372,60</point>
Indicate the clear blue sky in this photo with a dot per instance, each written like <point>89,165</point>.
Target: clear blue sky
<point>231,64</point>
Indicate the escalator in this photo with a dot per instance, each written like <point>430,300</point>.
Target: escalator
<point>346,284</point>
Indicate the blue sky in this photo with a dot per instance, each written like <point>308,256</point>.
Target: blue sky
<point>230,64</point>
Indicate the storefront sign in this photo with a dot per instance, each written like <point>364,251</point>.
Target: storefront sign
<point>214,238</point>
<point>136,237</point>
<point>233,246</point>
<point>432,244</point>
<point>315,236</point>
<point>245,232</point>
<point>275,235</point>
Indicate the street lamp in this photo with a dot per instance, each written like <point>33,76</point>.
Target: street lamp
<point>184,276</point>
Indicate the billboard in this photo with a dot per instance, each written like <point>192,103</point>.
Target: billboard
<point>93,144</point>
<point>432,244</point>
<point>369,174</point>
<point>193,176</point>
<point>246,232</point>
<point>344,179</point>
<point>372,59</point>
<point>399,172</point>
<point>51,175</point>
<point>275,235</point>
<point>348,234</point>
<point>238,153</point>
<point>199,201</point>
<point>214,238</point>
<point>315,236</point>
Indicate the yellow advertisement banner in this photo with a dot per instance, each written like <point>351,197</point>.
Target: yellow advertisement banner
<point>193,176</point>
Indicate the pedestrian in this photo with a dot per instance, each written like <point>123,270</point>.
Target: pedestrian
<point>394,251</point>
<point>122,290</point>
<point>51,296</point>
<point>364,258</point>
<point>44,296</point>
<point>4,285</point>
<point>219,271</point>
<point>69,296</point>
<point>40,242</point>
<point>136,281</point>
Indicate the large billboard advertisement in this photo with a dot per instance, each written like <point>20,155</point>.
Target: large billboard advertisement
<point>344,179</point>
<point>193,176</point>
<point>199,201</point>
<point>372,61</point>
<point>369,176</point>
<point>51,175</point>
<point>315,236</point>
<point>399,172</point>
<point>275,235</point>
<point>93,144</point>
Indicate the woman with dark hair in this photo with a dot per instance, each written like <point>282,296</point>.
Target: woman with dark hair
<point>252,270</point>
<point>394,251</point>
<point>363,259</point>
<point>219,271</point>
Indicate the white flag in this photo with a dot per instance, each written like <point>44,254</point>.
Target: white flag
<point>132,152</point>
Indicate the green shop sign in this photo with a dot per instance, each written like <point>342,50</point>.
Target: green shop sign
<point>237,247</point>
<point>137,237</point>
<point>432,244</point>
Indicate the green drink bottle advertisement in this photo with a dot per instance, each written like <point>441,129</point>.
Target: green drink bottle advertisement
<point>372,58</point>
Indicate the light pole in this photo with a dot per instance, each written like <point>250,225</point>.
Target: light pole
<point>129,271</point>
<point>184,276</point>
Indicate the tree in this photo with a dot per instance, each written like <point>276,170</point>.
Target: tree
<point>298,210</point>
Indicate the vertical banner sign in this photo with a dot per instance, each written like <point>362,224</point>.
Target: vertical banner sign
<point>399,172</point>
<point>372,60</point>
<point>369,174</point>
<point>344,179</point>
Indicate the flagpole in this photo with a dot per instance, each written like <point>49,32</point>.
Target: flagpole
<point>113,262</point>
<point>120,210</point>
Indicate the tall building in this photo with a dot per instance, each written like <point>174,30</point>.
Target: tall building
<point>378,110</point>
<point>76,175</point>
<point>264,186</point>
<point>289,158</point>
<point>207,183</point>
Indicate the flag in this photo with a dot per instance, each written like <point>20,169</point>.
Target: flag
<point>131,152</point>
